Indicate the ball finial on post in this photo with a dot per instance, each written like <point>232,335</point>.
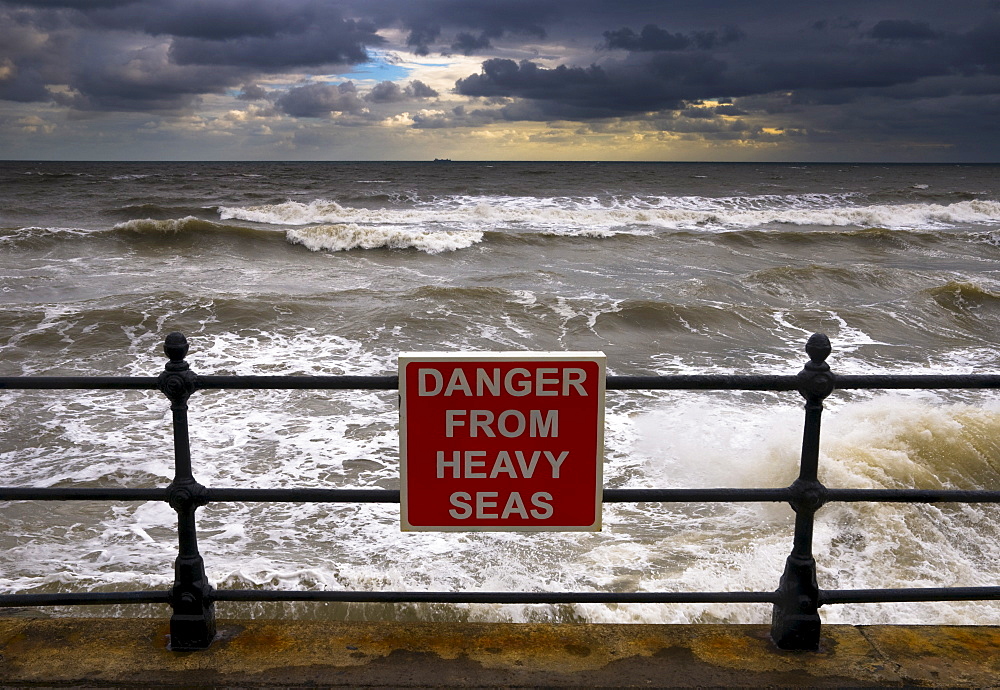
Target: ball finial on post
<point>818,348</point>
<point>176,348</point>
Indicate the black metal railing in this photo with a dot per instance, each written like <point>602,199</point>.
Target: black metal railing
<point>796,601</point>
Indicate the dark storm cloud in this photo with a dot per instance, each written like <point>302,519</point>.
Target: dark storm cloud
<point>74,4</point>
<point>337,45</point>
<point>662,69</point>
<point>653,38</point>
<point>856,61</point>
<point>193,48</point>
<point>467,44</point>
<point>494,19</point>
<point>421,36</point>
<point>980,48</point>
<point>259,34</point>
<point>903,30</point>
<point>650,38</point>
<point>662,81</point>
<point>463,26</point>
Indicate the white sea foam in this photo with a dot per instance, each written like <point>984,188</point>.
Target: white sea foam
<point>170,225</point>
<point>889,441</point>
<point>601,217</point>
<point>343,237</point>
<point>34,232</point>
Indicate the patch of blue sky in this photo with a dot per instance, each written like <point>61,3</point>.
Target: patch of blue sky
<point>378,69</point>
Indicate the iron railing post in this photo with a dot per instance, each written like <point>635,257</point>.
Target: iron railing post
<point>192,625</point>
<point>795,621</point>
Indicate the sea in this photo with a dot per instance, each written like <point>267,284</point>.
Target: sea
<point>305,268</point>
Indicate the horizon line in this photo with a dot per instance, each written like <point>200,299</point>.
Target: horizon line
<point>504,161</point>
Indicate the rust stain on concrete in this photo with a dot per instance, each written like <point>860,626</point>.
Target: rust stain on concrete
<point>253,653</point>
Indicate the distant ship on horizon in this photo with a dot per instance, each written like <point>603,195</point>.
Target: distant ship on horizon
<point>442,160</point>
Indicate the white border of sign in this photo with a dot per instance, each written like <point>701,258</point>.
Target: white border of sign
<point>503,356</point>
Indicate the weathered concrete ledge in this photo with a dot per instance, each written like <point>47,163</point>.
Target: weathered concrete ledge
<point>255,653</point>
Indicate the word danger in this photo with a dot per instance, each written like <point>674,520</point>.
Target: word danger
<point>518,381</point>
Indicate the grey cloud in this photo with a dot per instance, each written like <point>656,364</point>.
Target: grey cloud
<point>494,19</point>
<point>340,44</point>
<point>229,19</point>
<point>839,23</point>
<point>502,77</point>
<point>146,82</point>
<point>467,44</point>
<point>386,92</point>
<point>615,88</point>
<point>319,100</point>
<point>652,38</point>
<point>459,116</point>
<point>76,4</point>
<point>664,69</point>
<point>698,113</point>
<point>478,24</point>
<point>420,90</point>
<point>24,85</point>
<point>730,110</point>
<point>391,92</point>
<point>253,92</point>
<point>421,36</point>
<point>980,47</point>
<point>96,48</point>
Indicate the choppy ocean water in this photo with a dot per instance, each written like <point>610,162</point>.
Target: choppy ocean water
<point>306,268</point>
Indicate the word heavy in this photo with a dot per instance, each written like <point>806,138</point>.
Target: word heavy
<point>501,441</point>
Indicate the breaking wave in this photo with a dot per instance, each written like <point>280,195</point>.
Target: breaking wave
<point>347,236</point>
<point>595,216</point>
<point>188,226</point>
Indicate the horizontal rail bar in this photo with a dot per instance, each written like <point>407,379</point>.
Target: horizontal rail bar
<point>917,381</point>
<point>749,382</point>
<point>78,382</point>
<point>695,495</point>
<point>303,495</point>
<point>81,494</point>
<point>912,495</point>
<point>297,382</point>
<point>875,596</point>
<point>499,597</point>
<point>83,599</point>
<point>705,382</point>
<point>294,495</point>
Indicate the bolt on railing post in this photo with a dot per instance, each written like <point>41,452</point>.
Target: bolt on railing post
<point>192,625</point>
<point>795,621</point>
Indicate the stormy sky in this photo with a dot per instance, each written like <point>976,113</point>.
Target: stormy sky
<point>866,80</point>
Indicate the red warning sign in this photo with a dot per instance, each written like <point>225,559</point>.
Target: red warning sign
<point>501,441</point>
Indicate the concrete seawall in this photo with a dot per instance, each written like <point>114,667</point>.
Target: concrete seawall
<point>133,652</point>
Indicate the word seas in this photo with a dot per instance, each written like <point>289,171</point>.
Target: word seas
<point>466,464</point>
